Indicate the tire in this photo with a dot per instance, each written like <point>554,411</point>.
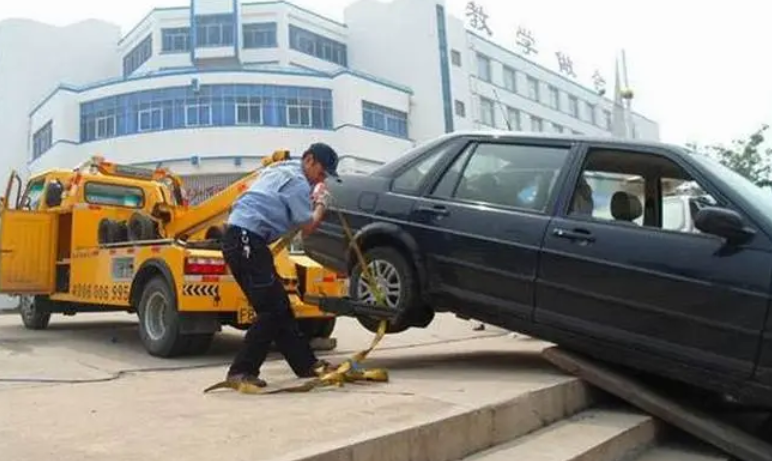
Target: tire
<point>407,298</point>
<point>111,231</point>
<point>141,228</point>
<point>317,328</point>
<point>34,311</point>
<point>159,323</point>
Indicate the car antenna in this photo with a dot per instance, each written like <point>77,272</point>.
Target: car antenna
<point>501,105</point>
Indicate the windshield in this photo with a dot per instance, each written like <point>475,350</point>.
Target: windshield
<point>758,198</point>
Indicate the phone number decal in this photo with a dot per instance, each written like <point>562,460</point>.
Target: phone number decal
<point>118,292</point>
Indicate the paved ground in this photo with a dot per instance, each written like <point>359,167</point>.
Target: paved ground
<point>131,407</point>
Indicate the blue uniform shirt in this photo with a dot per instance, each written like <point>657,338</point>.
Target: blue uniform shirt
<point>279,200</point>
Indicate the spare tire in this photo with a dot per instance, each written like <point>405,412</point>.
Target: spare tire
<point>110,231</point>
<point>141,227</point>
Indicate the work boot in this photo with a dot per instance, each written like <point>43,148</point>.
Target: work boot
<point>320,368</point>
<point>246,378</point>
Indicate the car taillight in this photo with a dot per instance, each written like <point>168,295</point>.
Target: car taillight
<point>205,266</point>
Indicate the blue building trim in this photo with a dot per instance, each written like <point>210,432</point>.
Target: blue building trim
<point>193,70</point>
<point>447,98</point>
<point>193,33</point>
<point>236,31</point>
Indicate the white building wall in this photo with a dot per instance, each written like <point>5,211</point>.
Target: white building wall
<point>209,142</point>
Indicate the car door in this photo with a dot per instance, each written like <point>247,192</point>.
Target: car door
<point>621,275</point>
<point>481,224</point>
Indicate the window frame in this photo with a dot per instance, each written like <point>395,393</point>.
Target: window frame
<point>570,187</point>
<point>469,151</point>
<point>140,206</point>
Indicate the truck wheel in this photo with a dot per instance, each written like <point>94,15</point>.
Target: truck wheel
<point>396,278</point>
<point>317,328</point>
<point>159,321</point>
<point>141,228</point>
<point>34,312</point>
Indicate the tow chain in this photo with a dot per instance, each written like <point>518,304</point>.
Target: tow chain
<point>350,371</point>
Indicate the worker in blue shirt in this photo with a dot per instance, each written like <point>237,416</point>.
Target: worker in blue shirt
<point>279,201</point>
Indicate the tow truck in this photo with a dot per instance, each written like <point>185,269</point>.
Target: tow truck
<point>108,237</point>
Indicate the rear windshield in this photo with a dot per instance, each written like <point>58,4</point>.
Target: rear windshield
<point>113,194</point>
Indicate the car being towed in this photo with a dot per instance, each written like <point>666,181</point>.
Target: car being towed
<point>567,239</point>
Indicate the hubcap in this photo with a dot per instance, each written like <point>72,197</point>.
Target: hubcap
<point>155,320</point>
<point>386,279</point>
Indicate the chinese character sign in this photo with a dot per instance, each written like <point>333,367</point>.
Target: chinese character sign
<point>526,42</point>
<point>565,64</point>
<point>478,19</point>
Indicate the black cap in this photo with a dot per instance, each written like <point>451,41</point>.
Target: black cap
<point>327,156</point>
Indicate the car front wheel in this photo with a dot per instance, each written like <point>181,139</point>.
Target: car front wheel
<point>396,279</point>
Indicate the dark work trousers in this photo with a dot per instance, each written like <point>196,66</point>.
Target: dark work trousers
<point>249,259</point>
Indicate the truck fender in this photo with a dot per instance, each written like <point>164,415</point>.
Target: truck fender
<point>376,234</point>
<point>190,323</point>
<point>150,268</point>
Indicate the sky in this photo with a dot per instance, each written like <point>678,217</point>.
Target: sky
<point>696,68</point>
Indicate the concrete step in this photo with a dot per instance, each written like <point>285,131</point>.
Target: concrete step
<point>691,450</point>
<point>597,434</point>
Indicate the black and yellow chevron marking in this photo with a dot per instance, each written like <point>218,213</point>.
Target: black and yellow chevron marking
<point>201,290</point>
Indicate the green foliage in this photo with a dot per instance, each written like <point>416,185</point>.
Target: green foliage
<point>747,157</point>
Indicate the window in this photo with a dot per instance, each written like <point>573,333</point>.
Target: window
<point>533,89</point>
<point>115,195</point>
<point>510,79</point>
<point>510,175</point>
<point>215,30</point>
<point>607,119</point>
<point>638,189</point>
<point>167,108</point>
<point>150,119</point>
<point>573,106</point>
<point>299,112</point>
<point>554,97</point>
<point>557,128</point>
<point>138,55</point>
<point>318,46</point>
<point>198,114</point>
<point>259,35</point>
<point>483,67</point>
<point>384,119</point>
<point>410,180</point>
<point>175,40</point>
<point>591,113</point>
<point>460,108</point>
<point>514,118</point>
<point>31,198</point>
<point>455,58</point>
<point>537,123</point>
<point>487,116</point>
<point>42,140</point>
<point>249,111</point>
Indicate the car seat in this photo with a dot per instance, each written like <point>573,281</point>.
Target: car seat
<point>625,207</point>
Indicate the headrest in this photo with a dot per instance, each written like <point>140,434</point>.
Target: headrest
<point>625,206</point>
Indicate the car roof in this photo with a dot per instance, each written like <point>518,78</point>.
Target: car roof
<point>524,135</point>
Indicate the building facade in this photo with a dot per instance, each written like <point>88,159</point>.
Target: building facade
<point>208,88</point>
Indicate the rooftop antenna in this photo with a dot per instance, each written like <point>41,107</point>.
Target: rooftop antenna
<point>504,112</point>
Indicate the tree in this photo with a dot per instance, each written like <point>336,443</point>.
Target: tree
<point>747,157</point>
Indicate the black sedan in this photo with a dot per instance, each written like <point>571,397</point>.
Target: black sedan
<point>633,252</point>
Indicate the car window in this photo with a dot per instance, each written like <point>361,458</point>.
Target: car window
<point>410,180</point>
<point>510,175</point>
<point>31,198</point>
<point>113,194</point>
<point>640,189</point>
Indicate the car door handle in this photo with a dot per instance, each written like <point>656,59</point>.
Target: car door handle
<point>438,210</point>
<point>576,235</point>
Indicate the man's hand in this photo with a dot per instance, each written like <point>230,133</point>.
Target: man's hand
<point>321,196</point>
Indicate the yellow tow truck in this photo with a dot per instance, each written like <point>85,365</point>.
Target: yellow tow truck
<point>107,237</point>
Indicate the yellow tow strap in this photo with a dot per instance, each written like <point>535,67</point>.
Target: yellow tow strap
<point>350,370</point>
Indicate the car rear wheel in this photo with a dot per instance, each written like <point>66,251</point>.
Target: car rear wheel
<point>397,279</point>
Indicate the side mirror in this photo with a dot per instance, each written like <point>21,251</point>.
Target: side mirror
<point>723,223</point>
